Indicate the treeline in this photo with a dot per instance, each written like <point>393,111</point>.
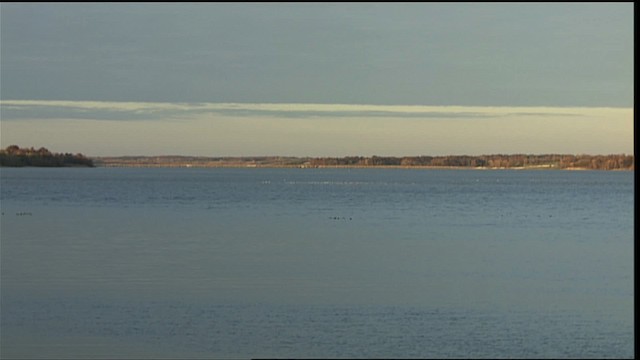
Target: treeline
<point>557,161</point>
<point>15,156</point>
<point>517,161</point>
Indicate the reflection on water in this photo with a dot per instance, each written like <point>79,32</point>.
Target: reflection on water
<point>317,263</point>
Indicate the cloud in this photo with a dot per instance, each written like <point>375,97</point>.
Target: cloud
<point>125,111</point>
<point>235,129</point>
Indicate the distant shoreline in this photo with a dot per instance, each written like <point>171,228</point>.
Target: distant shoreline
<point>484,162</point>
<point>14,156</point>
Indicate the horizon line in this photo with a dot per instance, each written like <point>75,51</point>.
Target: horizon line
<point>61,102</point>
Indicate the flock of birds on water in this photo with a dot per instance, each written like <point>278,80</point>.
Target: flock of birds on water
<point>22,213</point>
<point>339,218</point>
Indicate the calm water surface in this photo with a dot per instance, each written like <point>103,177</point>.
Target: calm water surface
<point>339,263</point>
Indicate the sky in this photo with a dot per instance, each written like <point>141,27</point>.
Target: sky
<point>317,79</point>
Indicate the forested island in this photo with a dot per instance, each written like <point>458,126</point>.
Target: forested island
<point>499,161</point>
<point>14,156</point>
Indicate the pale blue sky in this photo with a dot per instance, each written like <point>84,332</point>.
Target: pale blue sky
<point>543,55</point>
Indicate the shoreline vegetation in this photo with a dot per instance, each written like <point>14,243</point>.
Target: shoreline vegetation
<point>480,162</point>
<point>14,156</point>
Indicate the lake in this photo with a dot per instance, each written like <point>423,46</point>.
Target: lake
<point>334,263</point>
